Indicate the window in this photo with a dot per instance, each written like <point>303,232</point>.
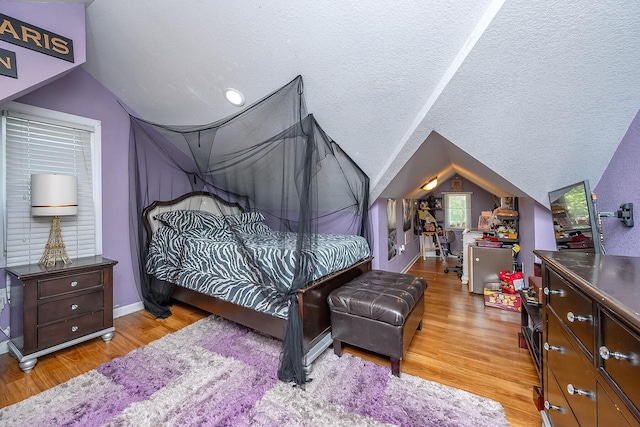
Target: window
<point>457,210</point>
<point>37,140</point>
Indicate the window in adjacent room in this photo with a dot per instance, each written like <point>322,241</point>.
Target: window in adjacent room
<point>457,210</point>
<point>37,140</point>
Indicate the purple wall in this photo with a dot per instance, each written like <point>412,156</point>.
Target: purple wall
<point>379,224</point>
<point>36,69</point>
<point>80,94</point>
<point>536,232</point>
<point>619,184</point>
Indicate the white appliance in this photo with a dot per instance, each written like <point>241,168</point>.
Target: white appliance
<point>468,238</point>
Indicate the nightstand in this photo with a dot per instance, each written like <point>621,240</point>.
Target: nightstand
<point>57,307</point>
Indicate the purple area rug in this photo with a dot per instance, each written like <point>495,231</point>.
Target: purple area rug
<point>216,373</point>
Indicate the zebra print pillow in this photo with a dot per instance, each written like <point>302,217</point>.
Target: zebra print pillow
<point>212,221</point>
<point>248,223</point>
<point>252,228</point>
<point>244,218</point>
<point>180,220</point>
<point>183,220</point>
<point>217,234</point>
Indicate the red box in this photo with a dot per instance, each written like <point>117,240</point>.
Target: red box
<point>509,302</point>
<point>512,278</point>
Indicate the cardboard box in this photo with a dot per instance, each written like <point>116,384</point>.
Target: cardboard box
<point>511,302</point>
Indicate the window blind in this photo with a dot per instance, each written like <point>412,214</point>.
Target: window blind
<point>37,145</point>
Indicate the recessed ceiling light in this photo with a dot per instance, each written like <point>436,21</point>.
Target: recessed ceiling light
<point>234,96</point>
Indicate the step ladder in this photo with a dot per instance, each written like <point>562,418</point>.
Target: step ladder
<point>427,244</point>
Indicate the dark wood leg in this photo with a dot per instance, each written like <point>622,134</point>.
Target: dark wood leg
<point>395,366</point>
<point>337,348</point>
<point>420,326</point>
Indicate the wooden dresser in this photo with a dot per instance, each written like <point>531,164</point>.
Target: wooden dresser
<point>56,307</point>
<point>591,339</point>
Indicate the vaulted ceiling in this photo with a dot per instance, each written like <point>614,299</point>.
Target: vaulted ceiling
<point>520,97</point>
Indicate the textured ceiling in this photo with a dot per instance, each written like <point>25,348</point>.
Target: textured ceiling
<point>520,97</point>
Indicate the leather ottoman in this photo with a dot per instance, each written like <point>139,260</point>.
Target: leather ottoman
<point>378,311</point>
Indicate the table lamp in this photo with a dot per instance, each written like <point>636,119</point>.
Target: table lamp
<point>54,195</point>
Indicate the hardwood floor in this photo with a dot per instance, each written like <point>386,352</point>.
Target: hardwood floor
<point>465,345</point>
<point>461,344</point>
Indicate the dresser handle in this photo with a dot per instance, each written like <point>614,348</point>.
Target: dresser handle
<point>576,391</point>
<point>74,306</point>
<point>549,347</point>
<point>558,292</point>
<point>548,406</point>
<point>605,353</point>
<point>74,328</point>
<point>74,284</point>
<point>572,318</point>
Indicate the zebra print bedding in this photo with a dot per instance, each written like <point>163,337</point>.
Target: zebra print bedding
<point>215,266</point>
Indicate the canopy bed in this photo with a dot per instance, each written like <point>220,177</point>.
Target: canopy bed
<point>266,194</point>
<point>194,261</point>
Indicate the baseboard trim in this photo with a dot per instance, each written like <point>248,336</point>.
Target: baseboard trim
<point>127,309</point>
<point>413,261</point>
<point>117,312</point>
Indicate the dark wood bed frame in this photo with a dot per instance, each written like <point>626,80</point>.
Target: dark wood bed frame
<point>312,300</point>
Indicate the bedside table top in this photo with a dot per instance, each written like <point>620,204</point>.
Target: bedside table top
<point>33,270</point>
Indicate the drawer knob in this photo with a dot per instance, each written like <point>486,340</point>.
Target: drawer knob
<point>558,292</point>
<point>74,306</point>
<point>74,328</point>
<point>606,354</point>
<point>573,318</point>
<point>548,406</point>
<point>74,284</point>
<point>576,391</point>
<point>550,347</point>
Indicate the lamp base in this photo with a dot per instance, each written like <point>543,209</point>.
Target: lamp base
<point>55,246</point>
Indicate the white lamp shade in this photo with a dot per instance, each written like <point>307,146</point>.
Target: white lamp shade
<point>53,195</point>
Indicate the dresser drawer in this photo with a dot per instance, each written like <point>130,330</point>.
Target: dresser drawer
<point>572,370</point>
<point>620,356</point>
<point>555,405</point>
<point>71,329</point>
<point>71,283</point>
<point>575,310</point>
<point>70,307</point>
<point>610,413</point>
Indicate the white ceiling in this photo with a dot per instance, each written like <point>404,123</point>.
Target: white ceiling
<point>521,97</point>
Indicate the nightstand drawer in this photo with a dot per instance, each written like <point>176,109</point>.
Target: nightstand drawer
<point>70,307</point>
<point>71,329</point>
<point>72,283</point>
<point>59,306</point>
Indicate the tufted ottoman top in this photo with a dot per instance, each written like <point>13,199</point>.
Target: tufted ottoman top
<point>379,295</point>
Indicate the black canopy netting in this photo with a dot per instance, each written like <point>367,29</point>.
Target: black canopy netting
<point>271,158</point>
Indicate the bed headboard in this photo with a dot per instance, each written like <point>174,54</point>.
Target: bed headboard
<point>194,201</point>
